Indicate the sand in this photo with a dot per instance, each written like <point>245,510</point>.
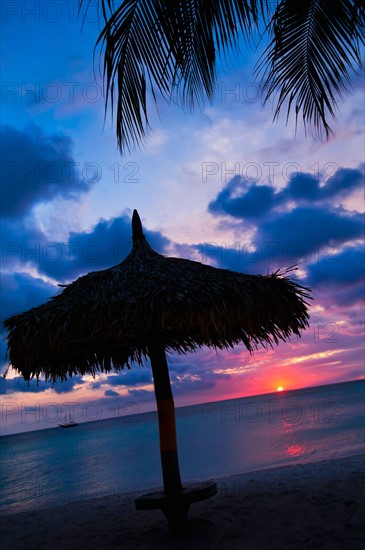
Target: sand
<point>305,506</point>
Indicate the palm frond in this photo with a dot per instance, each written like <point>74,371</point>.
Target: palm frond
<point>197,32</point>
<point>169,47</point>
<point>314,48</point>
<point>134,51</point>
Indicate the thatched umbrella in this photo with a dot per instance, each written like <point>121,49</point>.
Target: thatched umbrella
<point>143,307</point>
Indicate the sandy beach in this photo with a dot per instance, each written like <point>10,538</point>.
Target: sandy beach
<point>320,505</point>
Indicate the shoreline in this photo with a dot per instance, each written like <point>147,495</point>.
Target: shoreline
<point>310,505</point>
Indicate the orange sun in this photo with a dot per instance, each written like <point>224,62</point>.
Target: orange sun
<point>280,388</point>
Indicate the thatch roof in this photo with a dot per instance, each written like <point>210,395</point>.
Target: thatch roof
<point>106,319</point>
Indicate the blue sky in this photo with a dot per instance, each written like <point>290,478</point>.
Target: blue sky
<point>224,186</point>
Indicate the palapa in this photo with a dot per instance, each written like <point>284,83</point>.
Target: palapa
<point>144,306</point>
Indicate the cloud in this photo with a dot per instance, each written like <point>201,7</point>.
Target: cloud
<point>187,383</point>
<point>287,238</point>
<point>348,266</point>
<point>18,384</point>
<point>20,291</point>
<point>36,167</point>
<point>130,377</point>
<point>22,243</point>
<point>139,393</point>
<point>111,393</point>
<point>292,224</point>
<point>309,229</point>
<point>241,198</point>
<point>302,187</point>
<point>343,273</point>
<point>244,199</point>
<point>307,187</point>
<point>108,243</point>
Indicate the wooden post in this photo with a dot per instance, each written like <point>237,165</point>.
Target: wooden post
<point>175,500</point>
<point>166,419</point>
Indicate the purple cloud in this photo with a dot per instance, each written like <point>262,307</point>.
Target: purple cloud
<point>35,168</point>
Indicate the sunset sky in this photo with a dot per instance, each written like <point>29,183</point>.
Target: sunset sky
<point>224,186</point>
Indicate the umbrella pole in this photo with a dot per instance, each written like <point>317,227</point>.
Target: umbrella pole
<point>166,419</point>
<point>175,501</point>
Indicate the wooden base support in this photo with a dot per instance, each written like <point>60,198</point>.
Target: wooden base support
<point>176,505</point>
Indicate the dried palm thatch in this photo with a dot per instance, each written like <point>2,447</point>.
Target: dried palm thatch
<point>106,319</point>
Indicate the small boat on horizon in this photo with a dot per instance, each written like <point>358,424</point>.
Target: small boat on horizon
<point>68,424</point>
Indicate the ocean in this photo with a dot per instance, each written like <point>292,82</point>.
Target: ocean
<point>109,457</point>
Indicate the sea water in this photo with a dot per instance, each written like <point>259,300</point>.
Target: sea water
<point>109,457</point>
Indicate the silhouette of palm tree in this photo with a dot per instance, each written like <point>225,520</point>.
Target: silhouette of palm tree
<point>172,47</point>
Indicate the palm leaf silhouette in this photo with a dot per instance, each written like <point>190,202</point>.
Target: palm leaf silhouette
<point>171,47</point>
<point>307,64</point>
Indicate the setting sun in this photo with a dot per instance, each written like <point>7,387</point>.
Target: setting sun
<point>280,388</point>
